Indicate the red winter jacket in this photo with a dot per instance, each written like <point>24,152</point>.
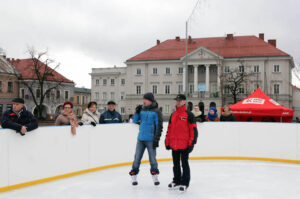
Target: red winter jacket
<point>182,130</point>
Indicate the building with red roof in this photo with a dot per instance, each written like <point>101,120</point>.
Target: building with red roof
<point>165,70</point>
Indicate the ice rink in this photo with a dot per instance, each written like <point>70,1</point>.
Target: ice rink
<point>210,179</point>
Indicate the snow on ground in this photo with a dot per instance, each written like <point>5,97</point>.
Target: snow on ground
<point>210,180</point>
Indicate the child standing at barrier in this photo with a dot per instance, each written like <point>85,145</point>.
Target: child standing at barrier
<point>181,137</point>
<point>151,125</point>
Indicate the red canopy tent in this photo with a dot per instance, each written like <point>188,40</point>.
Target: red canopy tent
<point>260,107</point>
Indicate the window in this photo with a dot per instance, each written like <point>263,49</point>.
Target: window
<point>38,93</point>
<point>276,88</point>
<point>167,89</point>
<point>191,88</point>
<point>214,69</point>
<point>22,93</point>
<point>180,70</point>
<point>9,87</point>
<point>138,89</point>
<point>0,87</point>
<point>122,110</point>
<point>8,106</point>
<point>138,71</point>
<point>83,100</point>
<point>256,69</point>
<point>241,69</point>
<point>168,71</point>
<point>104,95</point>
<point>57,94</point>
<point>256,86</point>
<point>191,69</point>
<point>122,81</point>
<point>112,95</point>
<point>97,81</point>
<point>276,68</point>
<point>48,94</point>
<point>104,82</point>
<point>78,99</point>
<point>66,94</point>
<point>227,89</point>
<point>154,72</point>
<point>154,89</point>
<point>241,89</point>
<point>227,69</point>
<point>167,109</point>
<point>112,82</point>
<point>180,88</point>
<point>96,95</point>
<point>122,95</point>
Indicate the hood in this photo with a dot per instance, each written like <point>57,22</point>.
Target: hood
<point>154,105</point>
<point>196,114</point>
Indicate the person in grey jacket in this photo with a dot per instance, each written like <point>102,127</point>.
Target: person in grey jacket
<point>90,115</point>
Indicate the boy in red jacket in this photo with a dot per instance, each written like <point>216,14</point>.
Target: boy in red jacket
<point>181,137</point>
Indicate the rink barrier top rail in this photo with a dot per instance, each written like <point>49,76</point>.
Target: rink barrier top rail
<point>52,153</point>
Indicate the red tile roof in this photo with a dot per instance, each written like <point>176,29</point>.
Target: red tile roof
<point>26,68</point>
<point>240,46</point>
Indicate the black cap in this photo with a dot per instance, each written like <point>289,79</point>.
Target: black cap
<point>180,97</point>
<point>149,96</point>
<point>18,100</point>
<point>111,103</point>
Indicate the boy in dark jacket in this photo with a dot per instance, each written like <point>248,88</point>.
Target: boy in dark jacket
<point>18,118</point>
<point>151,125</point>
<point>181,137</point>
<point>111,115</point>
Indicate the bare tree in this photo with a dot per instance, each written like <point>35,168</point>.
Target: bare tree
<point>42,77</point>
<point>235,78</point>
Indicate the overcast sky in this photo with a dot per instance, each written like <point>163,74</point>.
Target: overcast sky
<point>85,34</point>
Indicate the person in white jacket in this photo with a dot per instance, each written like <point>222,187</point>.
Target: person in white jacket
<point>90,115</point>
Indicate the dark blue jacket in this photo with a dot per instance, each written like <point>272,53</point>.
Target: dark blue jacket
<point>151,123</point>
<point>11,120</point>
<point>109,117</point>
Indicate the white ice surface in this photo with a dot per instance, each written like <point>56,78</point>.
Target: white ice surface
<point>210,180</point>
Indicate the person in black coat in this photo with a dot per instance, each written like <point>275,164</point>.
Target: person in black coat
<point>18,118</point>
<point>227,115</point>
<point>111,115</point>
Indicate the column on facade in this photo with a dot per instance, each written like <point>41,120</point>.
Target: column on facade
<point>184,79</point>
<point>218,77</point>
<point>195,78</point>
<point>207,78</point>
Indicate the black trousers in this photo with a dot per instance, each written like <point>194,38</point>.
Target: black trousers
<point>181,178</point>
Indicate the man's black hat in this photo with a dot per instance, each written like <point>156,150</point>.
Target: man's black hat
<point>18,100</point>
<point>180,97</point>
<point>111,103</point>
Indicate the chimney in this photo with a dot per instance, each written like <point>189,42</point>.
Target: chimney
<point>229,37</point>
<point>261,36</point>
<point>272,42</point>
<point>177,38</point>
<point>190,40</point>
<point>157,42</point>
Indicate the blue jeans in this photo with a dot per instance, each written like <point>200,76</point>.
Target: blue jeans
<point>139,152</point>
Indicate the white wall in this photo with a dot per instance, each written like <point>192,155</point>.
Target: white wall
<point>51,151</point>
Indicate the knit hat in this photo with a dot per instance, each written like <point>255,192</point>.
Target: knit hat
<point>68,102</point>
<point>149,96</point>
<point>18,100</point>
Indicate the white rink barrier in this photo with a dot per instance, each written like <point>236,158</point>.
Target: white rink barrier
<point>50,153</point>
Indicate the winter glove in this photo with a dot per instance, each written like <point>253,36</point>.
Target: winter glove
<point>190,149</point>
<point>155,144</point>
<point>93,123</point>
<point>138,108</point>
<point>80,123</point>
<point>168,147</point>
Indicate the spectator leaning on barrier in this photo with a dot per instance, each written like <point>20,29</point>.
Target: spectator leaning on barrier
<point>212,115</point>
<point>111,115</point>
<point>227,115</point>
<point>197,114</point>
<point>90,115</point>
<point>181,137</point>
<point>18,118</point>
<point>67,117</point>
<point>151,125</point>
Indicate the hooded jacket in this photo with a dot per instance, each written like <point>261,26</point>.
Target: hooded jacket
<point>182,130</point>
<point>151,123</point>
